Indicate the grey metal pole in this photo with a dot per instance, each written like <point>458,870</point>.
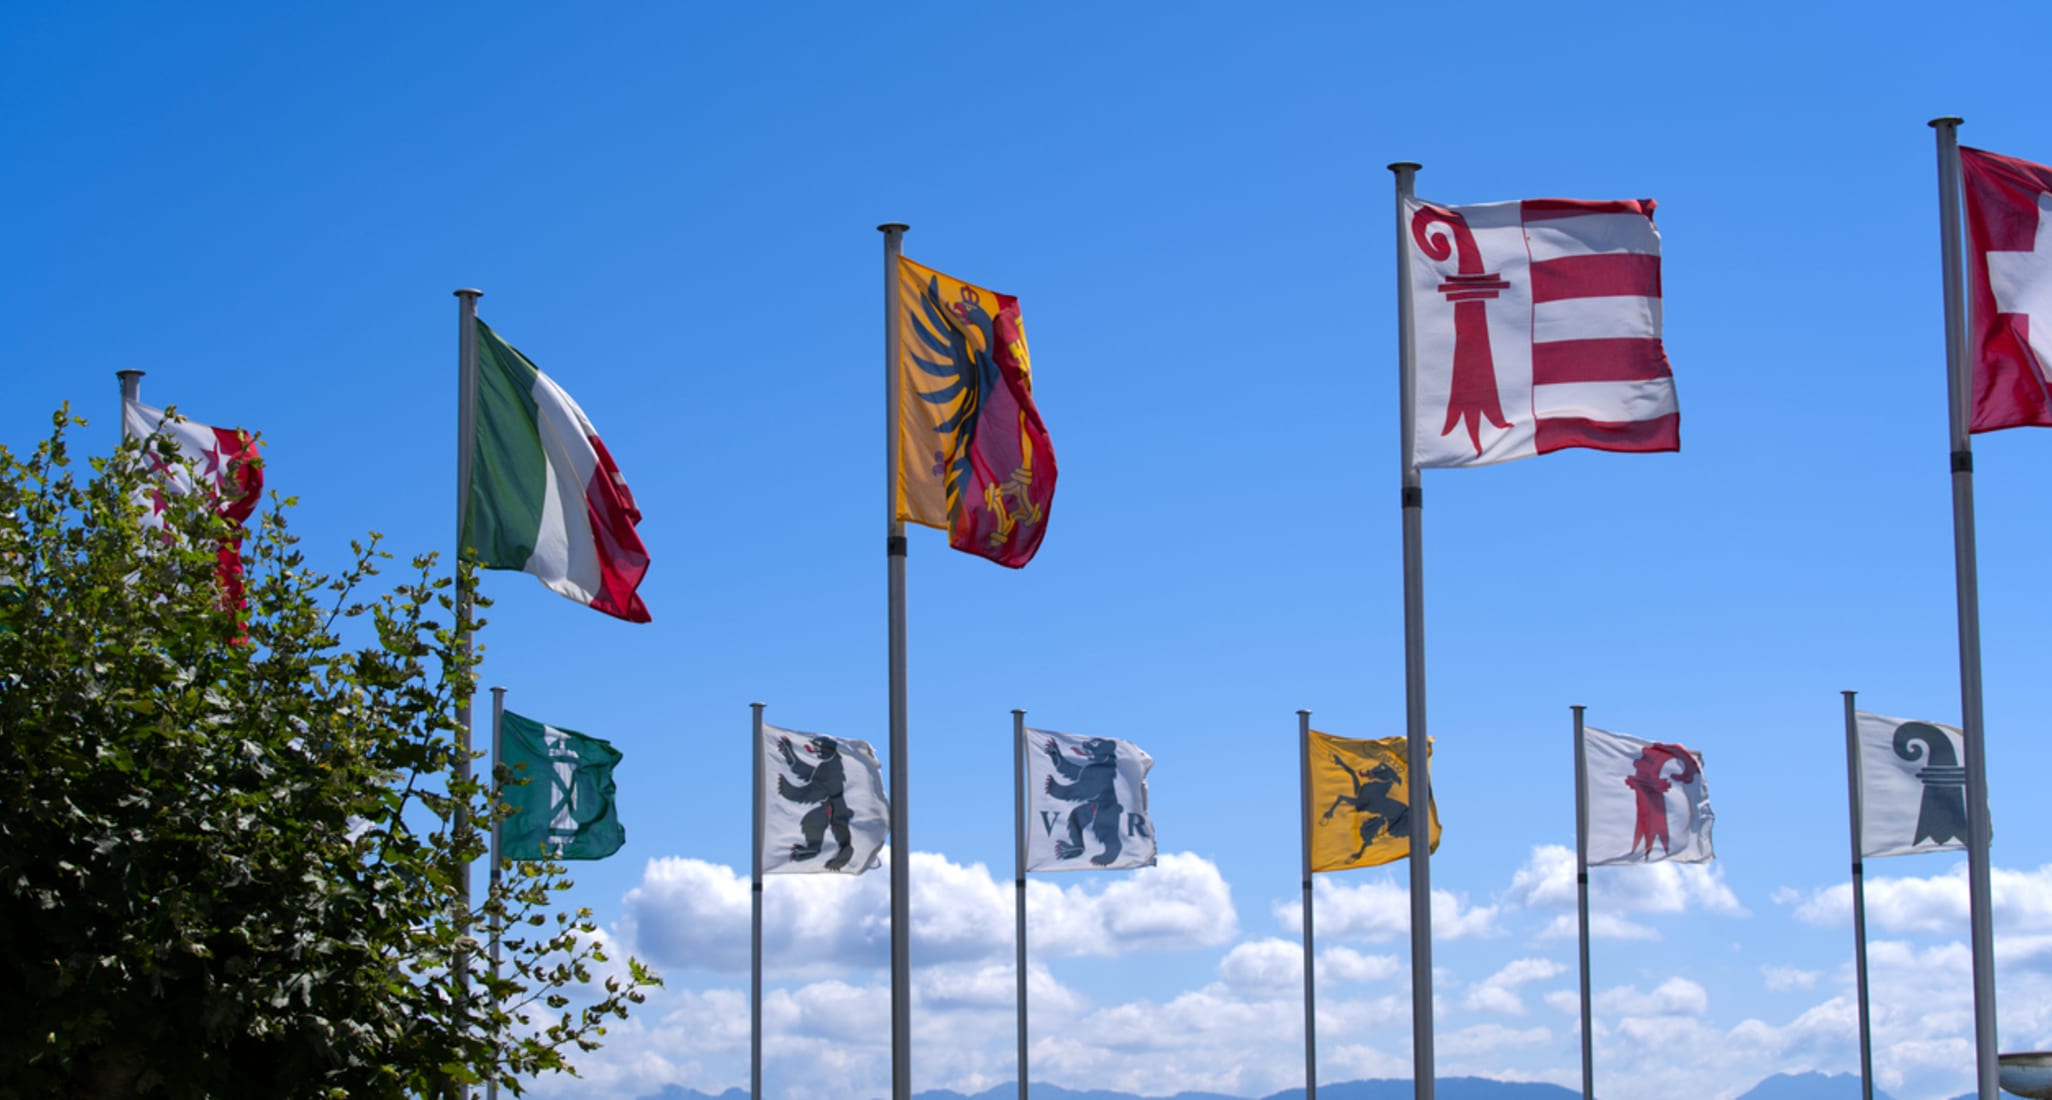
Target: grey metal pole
<point>498,919</point>
<point>1019,880</point>
<point>1582,902</point>
<point>1417,747</point>
<point>131,390</point>
<point>1957,377</point>
<point>466,416</point>
<point>1310,977</point>
<point>755,923</point>
<point>894,556</point>
<point>1859,894</point>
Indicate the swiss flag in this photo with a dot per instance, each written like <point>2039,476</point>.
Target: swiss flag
<point>2009,272</point>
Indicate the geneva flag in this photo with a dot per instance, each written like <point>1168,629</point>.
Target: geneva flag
<point>545,496</point>
<point>566,809</point>
<point>973,456</point>
<point>221,462</point>
<point>1536,327</point>
<point>1647,801</point>
<point>1361,802</point>
<point>1912,786</point>
<point>1086,803</point>
<point>2009,273</point>
<point>823,804</point>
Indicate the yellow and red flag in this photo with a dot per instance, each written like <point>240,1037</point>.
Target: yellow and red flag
<point>1361,802</point>
<point>973,456</point>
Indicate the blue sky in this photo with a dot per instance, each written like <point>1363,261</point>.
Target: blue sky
<point>671,209</point>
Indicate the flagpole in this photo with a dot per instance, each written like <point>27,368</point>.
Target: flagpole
<point>755,922</point>
<point>894,556</point>
<point>1582,901</point>
<point>498,745</point>
<point>131,390</point>
<point>466,420</point>
<point>1416,746</point>
<point>1859,895</point>
<point>1310,979</point>
<point>1958,378</point>
<point>1019,881</point>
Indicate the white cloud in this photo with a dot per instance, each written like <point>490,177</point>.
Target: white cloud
<point>1547,881</point>
<point>1380,909</point>
<point>1602,926</point>
<point>1933,905</point>
<point>1783,978</point>
<point>1499,991</point>
<point>1673,997</point>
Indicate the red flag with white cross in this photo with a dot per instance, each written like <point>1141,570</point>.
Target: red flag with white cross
<point>2009,274</point>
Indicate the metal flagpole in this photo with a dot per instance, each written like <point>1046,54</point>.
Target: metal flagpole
<point>1957,377</point>
<point>498,753</point>
<point>894,556</point>
<point>755,925</point>
<point>1582,902</point>
<point>131,390</point>
<point>1859,892</point>
<point>1019,881</point>
<point>1416,745</point>
<point>466,423</point>
<point>1310,979</point>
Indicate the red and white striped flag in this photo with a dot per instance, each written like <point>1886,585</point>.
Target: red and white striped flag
<point>1536,327</point>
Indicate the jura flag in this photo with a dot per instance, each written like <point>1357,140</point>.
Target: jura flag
<point>1912,787</point>
<point>1361,802</point>
<point>823,804</point>
<point>566,809</point>
<point>2009,268</point>
<point>1536,327</point>
<point>1647,801</point>
<point>1086,803</point>
<point>222,463</point>
<point>545,496</point>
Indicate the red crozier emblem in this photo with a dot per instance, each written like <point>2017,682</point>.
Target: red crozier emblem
<point>1472,395</point>
<point>1651,788</point>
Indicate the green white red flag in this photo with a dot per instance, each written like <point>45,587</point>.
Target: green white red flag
<point>545,496</point>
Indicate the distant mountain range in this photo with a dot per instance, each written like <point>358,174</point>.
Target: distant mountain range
<point>1781,1086</point>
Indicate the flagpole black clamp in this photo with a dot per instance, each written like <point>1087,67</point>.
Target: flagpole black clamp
<point>1962,462</point>
<point>1414,496</point>
<point>894,546</point>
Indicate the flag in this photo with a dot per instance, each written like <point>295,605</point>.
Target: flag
<point>1912,786</point>
<point>222,462</point>
<point>566,810</point>
<point>1364,788</point>
<point>1647,801</point>
<point>1536,327</point>
<point>1086,803</point>
<point>2009,272</point>
<point>823,804</point>
<point>973,456</point>
<point>545,496</point>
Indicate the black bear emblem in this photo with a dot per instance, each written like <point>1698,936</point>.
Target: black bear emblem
<point>1372,804</point>
<point>1092,784</point>
<point>824,784</point>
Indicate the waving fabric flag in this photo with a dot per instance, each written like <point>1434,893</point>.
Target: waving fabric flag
<point>1365,789</point>
<point>973,456</point>
<point>1086,803</point>
<point>566,809</point>
<point>1537,327</point>
<point>1647,801</point>
<point>545,496</point>
<point>227,466</point>
<point>2009,273</point>
<point>1912,787</point>
<point>823,803</point>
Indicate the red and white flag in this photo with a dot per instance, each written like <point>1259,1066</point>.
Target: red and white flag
<point>1536,327</point>
<point>1647,801</point>
<point>226,466</point>
<point>2009,270</point>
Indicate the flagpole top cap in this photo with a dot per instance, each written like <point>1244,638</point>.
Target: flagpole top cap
<point>1303,713</point>
<point>889,226</point>
<point>469,292</point>
<point>1019,711</point>
<point>1945,120</point>
<point>1404,165</point>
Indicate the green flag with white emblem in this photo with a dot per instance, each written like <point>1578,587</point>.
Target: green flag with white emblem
<point>565,809</point>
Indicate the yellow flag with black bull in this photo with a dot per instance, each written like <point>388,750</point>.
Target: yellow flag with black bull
<point>1361,802</point>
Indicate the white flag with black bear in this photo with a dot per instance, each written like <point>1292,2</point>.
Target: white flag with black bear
<point>1912,786</point>
<point>823,804</point>
<point>1086,803</point>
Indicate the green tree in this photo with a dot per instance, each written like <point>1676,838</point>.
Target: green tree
<point>229,838</point>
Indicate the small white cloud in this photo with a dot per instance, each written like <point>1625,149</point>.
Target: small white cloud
<point>1380,909</point>
<point>1782,978</point>
<point>1499,991</point>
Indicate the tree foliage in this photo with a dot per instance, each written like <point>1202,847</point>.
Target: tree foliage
<point>229,837</point>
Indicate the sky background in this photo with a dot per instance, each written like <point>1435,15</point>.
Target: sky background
<point>671,209</point>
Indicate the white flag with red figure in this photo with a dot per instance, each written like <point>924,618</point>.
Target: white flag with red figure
<point>227,468</point>
<point>1647,801</point>
<point>2009,271</point>
<point>1536,327</point>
